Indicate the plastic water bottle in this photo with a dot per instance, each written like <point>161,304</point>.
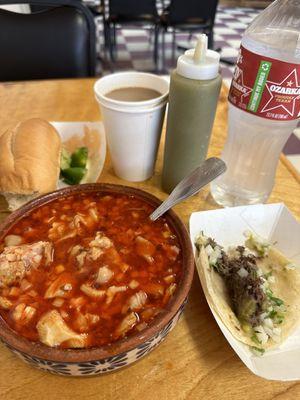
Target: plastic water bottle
<point>264,104</point>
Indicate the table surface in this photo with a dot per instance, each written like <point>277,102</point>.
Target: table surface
<point>195,360</point>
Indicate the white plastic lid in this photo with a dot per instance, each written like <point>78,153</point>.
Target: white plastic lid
<point>199,63</point>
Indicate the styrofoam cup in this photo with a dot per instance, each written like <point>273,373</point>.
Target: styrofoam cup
<point>132,128</point>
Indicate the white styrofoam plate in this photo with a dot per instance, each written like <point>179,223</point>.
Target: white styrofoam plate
<point>89,134</point>
<point>275,223</point>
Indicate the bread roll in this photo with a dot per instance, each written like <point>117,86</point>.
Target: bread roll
<point>29,161</point>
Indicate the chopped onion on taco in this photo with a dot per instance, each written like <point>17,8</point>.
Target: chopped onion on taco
<point>253,288</point>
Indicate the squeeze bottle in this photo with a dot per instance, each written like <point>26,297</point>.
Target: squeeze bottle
<point>194,92</point>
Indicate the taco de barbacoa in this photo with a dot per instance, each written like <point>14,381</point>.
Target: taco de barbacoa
<point>254,290</point>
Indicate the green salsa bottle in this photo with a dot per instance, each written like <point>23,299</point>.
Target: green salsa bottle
<point>194,91</point>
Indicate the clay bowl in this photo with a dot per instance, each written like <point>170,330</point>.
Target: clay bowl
<point>85,362</point>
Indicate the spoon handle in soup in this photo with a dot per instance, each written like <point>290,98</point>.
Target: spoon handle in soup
<point>191,184</point>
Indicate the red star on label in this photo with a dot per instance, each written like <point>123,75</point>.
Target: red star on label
<point>238,83</point>
<point>283,94</point>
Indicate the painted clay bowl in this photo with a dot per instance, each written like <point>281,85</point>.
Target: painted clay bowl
<point>92,361</point>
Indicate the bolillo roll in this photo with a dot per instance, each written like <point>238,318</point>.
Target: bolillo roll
<point>29,161</point>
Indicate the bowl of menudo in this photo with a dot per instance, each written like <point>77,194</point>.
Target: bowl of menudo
<point>88,284</point>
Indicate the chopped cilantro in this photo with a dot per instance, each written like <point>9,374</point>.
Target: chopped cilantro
<point>258,350</point>
<point>276,300</point>
<point>268,274</point>
<point>253,274</point>
<point>272,314</point>
<point>254,339</point>
<point>278,318</point>
<point>216,267</point>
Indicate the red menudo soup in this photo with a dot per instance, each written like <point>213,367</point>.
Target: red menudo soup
<point>86,270</point>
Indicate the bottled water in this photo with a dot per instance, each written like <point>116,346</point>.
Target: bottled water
<point>264,104</point>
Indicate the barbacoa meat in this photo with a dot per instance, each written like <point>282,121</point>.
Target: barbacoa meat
<point>246,292</point>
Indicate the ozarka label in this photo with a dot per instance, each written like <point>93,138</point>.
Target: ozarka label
<point>266,87</point>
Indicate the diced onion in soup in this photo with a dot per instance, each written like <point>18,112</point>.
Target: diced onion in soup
<point>133,284</point>
<point>18,311</point>
<point>23,314</point>
<point>59,268</point>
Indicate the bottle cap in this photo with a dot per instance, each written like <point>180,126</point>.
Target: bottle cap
<point>199,63</point>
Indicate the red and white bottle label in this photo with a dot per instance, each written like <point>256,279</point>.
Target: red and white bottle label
<point>266,87</point>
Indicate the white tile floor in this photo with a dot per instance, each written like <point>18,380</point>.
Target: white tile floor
<point>297,133</point>
<point>295,161</point>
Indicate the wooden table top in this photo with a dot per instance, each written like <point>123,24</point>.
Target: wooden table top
<point>195,361</point>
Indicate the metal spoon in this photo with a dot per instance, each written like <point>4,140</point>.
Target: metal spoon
<point>191,184</point>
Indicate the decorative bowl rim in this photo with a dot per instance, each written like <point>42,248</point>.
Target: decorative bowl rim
<point>44,352</point>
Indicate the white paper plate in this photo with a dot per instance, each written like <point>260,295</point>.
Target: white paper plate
<point>90,134</point>
<point>275,223</point>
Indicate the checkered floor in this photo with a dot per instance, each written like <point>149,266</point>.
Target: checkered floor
<point>135,46</point>
<point>135,51</point>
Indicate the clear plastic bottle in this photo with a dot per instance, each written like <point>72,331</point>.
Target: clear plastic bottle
<point>264,104</point>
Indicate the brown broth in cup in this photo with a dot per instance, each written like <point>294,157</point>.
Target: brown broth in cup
<point>133,94</point>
